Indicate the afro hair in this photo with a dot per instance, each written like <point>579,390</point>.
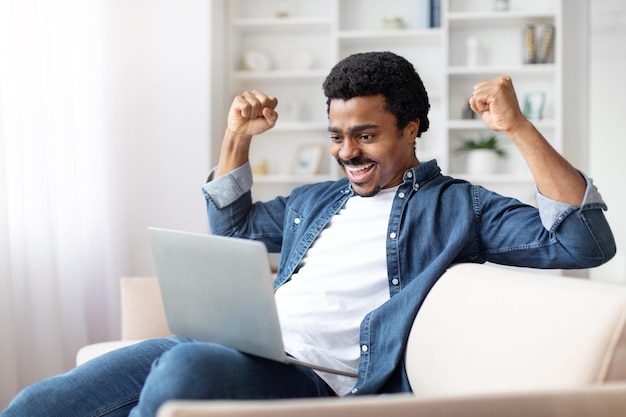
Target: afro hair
<point>372,73</point>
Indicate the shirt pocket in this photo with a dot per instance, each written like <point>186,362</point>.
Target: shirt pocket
<point>294,222</point>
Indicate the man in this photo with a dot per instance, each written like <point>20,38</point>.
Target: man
<point>358,255</point>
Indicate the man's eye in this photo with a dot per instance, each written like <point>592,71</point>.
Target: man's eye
<point>365,137</point>
<point>335,138</point>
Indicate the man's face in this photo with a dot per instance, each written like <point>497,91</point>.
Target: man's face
<point>366,142</point>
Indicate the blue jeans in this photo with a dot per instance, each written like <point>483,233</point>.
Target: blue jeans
<point>134,381</point>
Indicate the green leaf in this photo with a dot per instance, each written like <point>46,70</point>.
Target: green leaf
<point>490,142</point>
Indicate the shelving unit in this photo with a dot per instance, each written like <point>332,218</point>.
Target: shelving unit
<point>500,36</point>
<point>302,45</point>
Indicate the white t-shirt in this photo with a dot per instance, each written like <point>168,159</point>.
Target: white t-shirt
<point>343,277</point>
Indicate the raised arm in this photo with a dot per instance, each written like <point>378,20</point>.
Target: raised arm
<point>251,113</point>
<point>496,102</point>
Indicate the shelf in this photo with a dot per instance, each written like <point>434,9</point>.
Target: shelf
<point>500,18</point>
<point>497,20</point>
<point>299,23</point>
<point>514,179</point>
<point>299,127</point>
<point>528,69</point>
<point>426,34</point>
<point>477,124</point>
<point>279,75</point>
<point>290,179</point>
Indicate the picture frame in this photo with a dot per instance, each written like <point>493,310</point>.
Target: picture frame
<point>307,159</point>
<point>534,102</point>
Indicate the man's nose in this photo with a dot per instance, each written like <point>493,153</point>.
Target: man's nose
<point>349,149</point>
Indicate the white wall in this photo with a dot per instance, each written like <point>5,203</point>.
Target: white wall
<point>159,100</point>
<point>607,145</point>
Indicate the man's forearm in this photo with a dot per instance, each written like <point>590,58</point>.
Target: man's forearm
<point>555,177</point>
<point>234,152</point>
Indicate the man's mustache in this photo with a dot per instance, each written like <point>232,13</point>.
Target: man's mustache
<point>354,161</point>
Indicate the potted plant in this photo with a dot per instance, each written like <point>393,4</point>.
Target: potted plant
<point>482,154</point>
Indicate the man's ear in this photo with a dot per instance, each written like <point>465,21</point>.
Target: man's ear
<point>411,129</point>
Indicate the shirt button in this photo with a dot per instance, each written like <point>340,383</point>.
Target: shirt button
<point>393,235</point>
<point>409,174</point>
<point>354,390</point>
<point>401,195</point>
<point>297,220</point>
<point>364,348</point>
<point>395,281</point>
<point>416,186</point>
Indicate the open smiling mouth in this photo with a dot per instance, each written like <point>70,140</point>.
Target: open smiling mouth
<point>357,170</point>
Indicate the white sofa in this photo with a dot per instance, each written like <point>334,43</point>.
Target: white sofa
<point>488,341</point>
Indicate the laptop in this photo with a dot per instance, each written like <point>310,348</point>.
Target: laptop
<point>219,289</point>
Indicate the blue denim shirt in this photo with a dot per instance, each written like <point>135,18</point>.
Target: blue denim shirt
<point>435,221</point>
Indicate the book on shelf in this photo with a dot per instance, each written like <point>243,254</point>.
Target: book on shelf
<point>538,44</point>
<point>429,14</point>
<point>435,13</point>
<point>530,55</point>
<point>423,14</point>
<point>547,45</point>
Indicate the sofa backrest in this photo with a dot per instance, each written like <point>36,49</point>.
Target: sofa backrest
<point>493,329</point>
<point>142,312</point>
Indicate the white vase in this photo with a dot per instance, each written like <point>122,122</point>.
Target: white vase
<point>482,161</point>
<point>473,51</point>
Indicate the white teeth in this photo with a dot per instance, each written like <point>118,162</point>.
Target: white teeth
<point>352,168</point>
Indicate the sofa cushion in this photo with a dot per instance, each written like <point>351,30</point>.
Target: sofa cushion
<point>143,315</point>
<point>494,329</point>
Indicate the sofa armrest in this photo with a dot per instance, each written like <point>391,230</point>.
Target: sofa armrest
<point>487,329</point>
<point>142,313</point>
<point>598,401</point>
<point>142,317</point>
<point>89,352</point>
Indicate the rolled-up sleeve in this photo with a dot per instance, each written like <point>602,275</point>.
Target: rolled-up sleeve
<point>553,212</point>
<point>225,190</point>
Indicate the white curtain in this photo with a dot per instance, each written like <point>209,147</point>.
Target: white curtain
<point>57,267</point>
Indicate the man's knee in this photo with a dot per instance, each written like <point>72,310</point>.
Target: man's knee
<point>188,360</point>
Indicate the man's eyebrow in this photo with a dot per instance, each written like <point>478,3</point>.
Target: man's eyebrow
<point>353,129</point>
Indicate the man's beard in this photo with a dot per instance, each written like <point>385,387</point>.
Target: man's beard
<point>371,193</point>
